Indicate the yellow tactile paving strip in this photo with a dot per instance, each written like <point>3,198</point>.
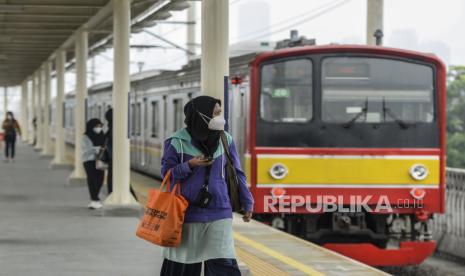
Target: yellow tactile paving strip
<point>257,266</point>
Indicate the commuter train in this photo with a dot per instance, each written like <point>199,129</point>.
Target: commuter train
<point>343,145</point>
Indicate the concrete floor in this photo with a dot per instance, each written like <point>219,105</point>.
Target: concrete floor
<point>46,229</point>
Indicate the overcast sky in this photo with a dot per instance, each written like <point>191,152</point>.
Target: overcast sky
<point>423,25</point>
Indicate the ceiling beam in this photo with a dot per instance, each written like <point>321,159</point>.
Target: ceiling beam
<point>22,31</point>
<point>51,6</point>
<point>28,24</point>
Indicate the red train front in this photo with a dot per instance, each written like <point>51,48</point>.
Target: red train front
<point>346,148</point>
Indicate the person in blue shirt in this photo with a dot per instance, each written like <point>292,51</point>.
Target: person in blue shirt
<point>196,157</point>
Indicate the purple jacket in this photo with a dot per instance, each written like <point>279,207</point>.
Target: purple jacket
<point>178,150</point>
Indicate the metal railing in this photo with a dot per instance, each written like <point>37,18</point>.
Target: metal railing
<point>452,223</point>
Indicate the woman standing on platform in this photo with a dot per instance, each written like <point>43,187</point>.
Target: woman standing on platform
<point>92,141</point>
<point>196,157</point>
<point>10,129</point>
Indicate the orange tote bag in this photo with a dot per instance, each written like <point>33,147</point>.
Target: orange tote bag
<point>163,215</point>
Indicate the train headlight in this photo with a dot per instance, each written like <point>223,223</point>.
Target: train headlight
<point>418,193</point>
<point>277,192</point>
<point>278,171</point>
<point>418,172</point>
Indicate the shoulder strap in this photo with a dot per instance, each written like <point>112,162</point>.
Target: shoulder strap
<point>224,141</point>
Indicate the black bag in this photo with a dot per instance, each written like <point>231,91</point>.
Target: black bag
<point>231,177</point>
<point>204,197</point>
<point>102,159</point>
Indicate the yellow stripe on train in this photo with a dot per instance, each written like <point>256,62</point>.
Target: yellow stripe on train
<point>349,170</point>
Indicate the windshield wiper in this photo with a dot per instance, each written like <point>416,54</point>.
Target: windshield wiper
<point>352,121</point>
<point>388,111</point>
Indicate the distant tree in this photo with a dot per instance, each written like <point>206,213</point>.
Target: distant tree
<point>456,117</point>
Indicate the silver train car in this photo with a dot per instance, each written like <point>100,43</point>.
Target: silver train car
<point>156,103</point>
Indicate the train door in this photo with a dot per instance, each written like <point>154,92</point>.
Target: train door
<point>238,114</point>
<point>155,131</point>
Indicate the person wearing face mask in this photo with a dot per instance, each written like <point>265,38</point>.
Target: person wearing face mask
<point>92,141</point>
<point>196,157</point>
<point>10,128</point>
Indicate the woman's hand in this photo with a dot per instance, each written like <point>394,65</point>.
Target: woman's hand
<point>199,161</point>
<point>247,216</point>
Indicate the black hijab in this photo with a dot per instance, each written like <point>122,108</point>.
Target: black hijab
<point>97,139</point>
<point>205,139</point>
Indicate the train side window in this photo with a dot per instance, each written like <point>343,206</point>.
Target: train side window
<point>178,114</point>
<point>155,120</point>
<point>133,119</point>
<point>138,118</point>
<point>71,117</point>
<point>286,94</point>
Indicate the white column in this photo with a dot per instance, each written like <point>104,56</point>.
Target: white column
<point>46,140</point>
<point>191,17</point>
<point>59,159</point>
<point>121,197</point>
<point>78,176</point>
<point>33,133</point>
<point>5,101</point>
<point>215,48</point>
<point>24,111</point>
<point>374,19</point>
<point>39,113</point>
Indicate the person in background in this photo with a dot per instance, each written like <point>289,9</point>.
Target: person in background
<point>92,141</point>
<point>109,147</point>
<point>10,129</point>
<point>196,158</point>
<point>34,126</point>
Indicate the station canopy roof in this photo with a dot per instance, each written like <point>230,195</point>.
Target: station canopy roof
<point>32,30</point>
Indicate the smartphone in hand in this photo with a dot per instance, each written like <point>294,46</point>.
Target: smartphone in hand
<point>207,158</point>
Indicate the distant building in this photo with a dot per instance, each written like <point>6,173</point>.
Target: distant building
<point>408,39</point>
<point>404,38</point>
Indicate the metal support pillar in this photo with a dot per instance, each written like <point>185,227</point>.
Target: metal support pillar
<point>191,46</point>
<point>120,200</point>
<point>78,177</point>
<point>38,91</point>
<point>59,159</point>
<point>46,139</point>
<point>374,19</point>
<point>24,111</point>
<point>33,134</point>
<point>215,47</point>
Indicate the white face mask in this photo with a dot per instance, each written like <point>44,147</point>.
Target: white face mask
<point>97,130</point>
<point>216,123</point>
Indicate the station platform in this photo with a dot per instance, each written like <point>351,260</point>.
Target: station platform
<point>46,229</point>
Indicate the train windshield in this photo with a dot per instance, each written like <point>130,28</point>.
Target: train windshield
<point>286,91</point>
<point>375,90</point>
